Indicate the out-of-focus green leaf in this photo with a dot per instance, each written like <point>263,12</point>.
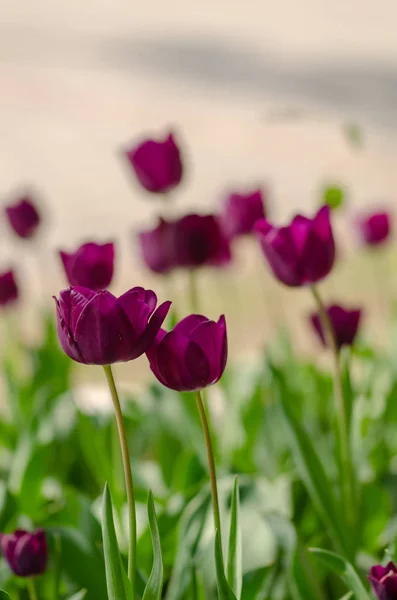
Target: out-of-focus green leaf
<point>197,588</point>
<point>4,595</point>
<point>334,196</point>
<point>234,557</point>
<point>79,596</point>
<point>225,592</point>
<point>347,596</point>
<point>254,583</point>
<point>344,569</point>
<point>154,585</point>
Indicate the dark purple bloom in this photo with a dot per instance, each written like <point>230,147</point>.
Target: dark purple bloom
<point>302,253</point>
<point>8,288</point>
<point>158,247</point>
<point>100,329</point>
<point>200,240</point>
<point>23,217</point>
<point>26,553</point>
<point>241,212</point>
<point>384,581</point>
<point>374,229</point>
<point>344,322</point>
<point>157,164</point>
<point>90,266</point>
<point>192,356</point>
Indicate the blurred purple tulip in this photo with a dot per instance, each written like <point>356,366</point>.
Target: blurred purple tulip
<point>302,253</point>
<point>100,329</point>
<point>241,212</point>
<point>23,217</point>
<point>26,553</point>
<point>374,229</point>
<point>158,247</point>
<point>157,164</point>
<point>384,581</point>
<point>199,241</point>
<point>90,266</point>
<point>345,324</point>
<point>8,288</point>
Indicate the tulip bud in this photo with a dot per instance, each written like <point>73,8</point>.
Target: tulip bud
<point>241,212</point>
<point>91,265</point>
<point>8,288</point>
<point>384,581</point>
<point>200,241</point>
<point>344,322</point>
<point>23,217</point>
<point>26,553</point>
<point>374,229</point>
<point>158,247</point>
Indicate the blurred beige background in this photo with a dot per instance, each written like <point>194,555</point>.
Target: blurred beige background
<point>258,92</point>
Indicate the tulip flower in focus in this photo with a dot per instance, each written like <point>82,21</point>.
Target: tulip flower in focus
<point>158,247</point>
<point>8,288</point>
<point>98,328</point>
<point>200,241</point>
<point>23,217</point>
<point>192,356</point>
<point>344,322</point>
<point>241,212</point>
<point>26,553</point>
<point>157,164</point>
<point>91,265</point>
<point>384,581</point>
<point>374,229</point>
<point>301,253</point>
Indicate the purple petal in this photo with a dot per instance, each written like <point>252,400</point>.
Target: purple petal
<point>171,363</point>
<point>210,336</point>
<point>153,327</point>
<point>186,326</point>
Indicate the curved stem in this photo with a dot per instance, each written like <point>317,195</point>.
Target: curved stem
<point>127,475</point>
<point>31,589</point>
<point>211,465</point>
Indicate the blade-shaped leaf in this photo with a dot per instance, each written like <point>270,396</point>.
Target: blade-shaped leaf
<point>79,596</point>
<point>344,569</point>
<point>347,596</point>
<point>4,595</point>
<point>234,557</point>
<point>225,592</point>
<point>118,585</point>
<point>154,585</point>
<point>197,586</point>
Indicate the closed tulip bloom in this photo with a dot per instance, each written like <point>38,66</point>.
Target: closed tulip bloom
<point>157,164</point>
<point>192,356</point>
<point>100,329</point>
<point>158,247</point>
<point>241,212</point>
<point>302,253</point>
<point>23,217</point>
<point>90,266</point>
<point>26,553</point>
<point>344,322</point>
<point>8,288</point>
<point>200,241</point>
<point>374,229</point>
<point>384,581</point>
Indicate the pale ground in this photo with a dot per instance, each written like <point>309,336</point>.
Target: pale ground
<point>257,91</point>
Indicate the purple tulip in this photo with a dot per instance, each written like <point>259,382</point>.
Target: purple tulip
<point>384,581</point>
<point>23,217</point>
<point>157,164</point>
<point>26,553</point>
<point>99,329</point>
<point>199,241</point>
<point>374,229</point>
<point>158,247</point>
<point>241,212</point>
<point>344,322</point>
<point>8,288</point>
<point>302,253</point>
<point>90,266</point>
<point>192,356</point>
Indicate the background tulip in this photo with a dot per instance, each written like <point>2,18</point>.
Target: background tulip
<point>158,247</point>
<point>302,253</point>
<point>241,212</point>
<point>23,217</point>
<point>374,229</point>
<point>344,322</point>
<point>90,266</point>
<point>26,553</point>
<point>157,164</point>
<point>8,288</point>
<point>192,356</point>
<point>98,328</point>
<point>384,581</point>
<point>200,241</point>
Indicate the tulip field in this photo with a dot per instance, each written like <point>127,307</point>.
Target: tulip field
<point>268,479</point>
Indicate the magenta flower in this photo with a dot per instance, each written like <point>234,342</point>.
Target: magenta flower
<point>374,229</point>
<point>302,253</point>
<point>26,553</point>
<point>90,266</point>
<point>100,329</point>
<point>200,241</point>
<point>345,324</point>
<point>8,288</point>
<point>384,581</point>
<point>192,356</point>
<point>241,212</point>
<point>157,164</point>
<point>158,247</point>
<point>23,217</point>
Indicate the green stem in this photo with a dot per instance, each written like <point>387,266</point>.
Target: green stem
<point>127,475</point>
<point>31,589</point>
<point>211,465</point>
<point>348,485</point>
<point>193,292</point>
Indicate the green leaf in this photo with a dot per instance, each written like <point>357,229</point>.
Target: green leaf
<point>4,595</point>
<point>334,196</point>
<point>197,587</point>
<point>234,558</point>
<point>347,596</point>
<point>344,569</point>
<point>79,596</point>
<point>154,585</point>
<point>225,592</point>
<point>118,585</point>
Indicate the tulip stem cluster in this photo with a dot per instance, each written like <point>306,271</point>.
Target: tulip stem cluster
<point>127,474</point>
<point>31,589</point>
